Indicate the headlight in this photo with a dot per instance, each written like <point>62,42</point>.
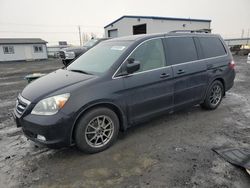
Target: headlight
<point>51,105</point>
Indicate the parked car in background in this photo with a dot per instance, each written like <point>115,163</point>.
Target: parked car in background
<point>235,49</point>
<point>248,58</point>
<point>69,54</point>
<point>122,82</point>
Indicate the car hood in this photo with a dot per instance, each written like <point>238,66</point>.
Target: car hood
<point>72,49</point>
<point>52,82</point>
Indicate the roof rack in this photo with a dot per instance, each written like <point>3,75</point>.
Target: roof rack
<point>192,31</point>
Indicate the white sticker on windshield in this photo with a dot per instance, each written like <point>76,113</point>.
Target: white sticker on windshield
<point>118,48</point>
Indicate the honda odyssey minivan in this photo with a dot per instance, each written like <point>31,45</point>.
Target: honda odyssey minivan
<point>122,82</point>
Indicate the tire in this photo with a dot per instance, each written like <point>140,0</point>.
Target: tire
<point>97,130</point>
<point>214,96</point>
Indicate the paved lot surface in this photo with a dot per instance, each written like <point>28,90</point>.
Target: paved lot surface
<point>170,151</point>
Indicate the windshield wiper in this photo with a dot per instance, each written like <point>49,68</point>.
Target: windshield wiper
<point>80,71</point>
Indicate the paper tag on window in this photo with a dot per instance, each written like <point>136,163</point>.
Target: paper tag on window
<point>118,48</point>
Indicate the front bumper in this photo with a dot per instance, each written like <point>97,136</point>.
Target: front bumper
<point>56,129</point>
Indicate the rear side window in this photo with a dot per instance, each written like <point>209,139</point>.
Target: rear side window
<point>212,47</point>
<point>180,50</point>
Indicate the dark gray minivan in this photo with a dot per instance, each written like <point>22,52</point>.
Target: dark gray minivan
<point>122,82</point>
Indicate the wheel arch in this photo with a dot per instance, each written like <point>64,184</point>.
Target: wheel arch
<point>211,82</point>
<point>223,83</point>
<point>120,114</point>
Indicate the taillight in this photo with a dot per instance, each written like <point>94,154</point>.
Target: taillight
<point>231,65</point>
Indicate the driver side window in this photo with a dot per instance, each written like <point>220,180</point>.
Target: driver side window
<point>150,54</point>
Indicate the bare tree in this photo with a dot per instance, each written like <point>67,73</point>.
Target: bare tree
<point>85,37</point>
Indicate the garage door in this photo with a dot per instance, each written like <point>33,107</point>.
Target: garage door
<point>113,33</point>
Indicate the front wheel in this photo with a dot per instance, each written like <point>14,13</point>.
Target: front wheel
<point>213,96</point>
<point>97,130</point>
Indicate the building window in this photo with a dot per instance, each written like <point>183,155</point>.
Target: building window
<point>8,50</point>
<point>139,29</point>
<point>38,49</point>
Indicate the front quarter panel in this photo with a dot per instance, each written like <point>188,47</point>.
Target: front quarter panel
<point>98,92</point>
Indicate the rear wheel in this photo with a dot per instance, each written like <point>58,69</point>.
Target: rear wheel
<point>97,130</point>
<point>214,96</point>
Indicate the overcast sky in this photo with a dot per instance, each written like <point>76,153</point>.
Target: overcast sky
<point>55,20</point>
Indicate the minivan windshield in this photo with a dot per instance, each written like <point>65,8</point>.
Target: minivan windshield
<point>90,43</point>
<point>100,58</point>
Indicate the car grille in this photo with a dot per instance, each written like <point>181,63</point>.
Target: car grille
<point>62,54</point>
<point>21,105</point>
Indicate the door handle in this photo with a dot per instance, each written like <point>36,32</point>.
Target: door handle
<point>180,71</point>
<point>164,75</point>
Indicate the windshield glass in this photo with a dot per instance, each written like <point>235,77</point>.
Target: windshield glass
<point>100,58</point>
<point>90,43</point>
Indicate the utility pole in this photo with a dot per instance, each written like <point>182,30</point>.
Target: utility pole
<point>242,33</point>
<point>248,35</point>
<point>80,35</point>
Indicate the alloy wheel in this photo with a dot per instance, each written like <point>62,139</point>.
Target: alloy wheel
<point>215,95</point>
<point>99,131</point>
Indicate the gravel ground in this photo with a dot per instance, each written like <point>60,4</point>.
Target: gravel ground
<point>170,151</point>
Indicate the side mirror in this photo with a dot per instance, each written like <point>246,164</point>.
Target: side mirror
<point>132,66</point>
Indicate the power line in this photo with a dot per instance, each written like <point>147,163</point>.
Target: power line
<point>54,41</point>
<point>47,32</point>
<point>48,25</point>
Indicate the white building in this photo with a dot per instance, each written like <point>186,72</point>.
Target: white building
<point>16,49</point>
<point>132,25</point>
<point>238,41</point>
